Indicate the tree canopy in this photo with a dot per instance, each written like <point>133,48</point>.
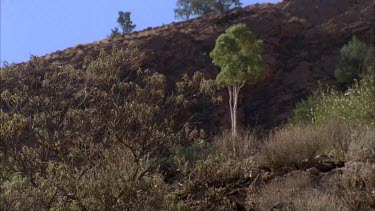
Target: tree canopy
<point>238,53</point>
<point>187,8</point>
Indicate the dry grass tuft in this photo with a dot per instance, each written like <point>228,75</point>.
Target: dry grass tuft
<point>362,146</point>
<point>291,147</point>
<point>242,146</point>
<point>356,187</point>
<point>296,191</point>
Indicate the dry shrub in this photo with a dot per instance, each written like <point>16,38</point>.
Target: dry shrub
<point>295,191</point>
<point>109,185</point>
<point>291,147</point>
<point>242,146</point>
<point>348,141</point>
<point>210,183</point>
<point>337,136</point>
<point>362,146</point>
<point>91,138</point>
<point>356,187</point>
<point>297,145</point>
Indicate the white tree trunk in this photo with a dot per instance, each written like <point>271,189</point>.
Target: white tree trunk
<point>233,91</point>
<point>230,92</point>
<point>236,89</point>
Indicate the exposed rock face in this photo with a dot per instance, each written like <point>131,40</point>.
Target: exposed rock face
<point>302,39</point>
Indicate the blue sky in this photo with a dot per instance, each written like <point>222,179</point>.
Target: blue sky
<point>40,27</point>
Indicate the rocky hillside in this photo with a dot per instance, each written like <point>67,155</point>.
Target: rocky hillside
<point>302,41</point>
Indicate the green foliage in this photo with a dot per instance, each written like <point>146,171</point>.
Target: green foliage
<point>125,23</point>
<point>184,9</point>
<point>357,104</point>
<point>303,113</point>
<point>238,53</point>
<point>352,59</point>
<point>115,32</point>
<point>187,8</point>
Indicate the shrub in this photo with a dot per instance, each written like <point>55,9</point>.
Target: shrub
<point>352,59</point>
<point>295,191</point>
<point>296,145</point>
<point>362,146</point>
<point>370,61</point>
<point>356,187</point>
<point>90,139</point>
<point>304,111</point>
<point>211,182</point>
<point>242,146</point>
<point>291,147</point>
<point>355,106</point>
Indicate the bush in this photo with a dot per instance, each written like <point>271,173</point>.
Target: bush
<point>304,111</point>
<point>352,59</point>
<point>370,61</point>
<point>91,139</point>
<point>291,147</point>
<point>242,146</point>
<point>296,145</point>
<point>355,106</point>
<point>362,146</point>
<point>356,187</point>
<point>211,182</point>
<point>295,191</point>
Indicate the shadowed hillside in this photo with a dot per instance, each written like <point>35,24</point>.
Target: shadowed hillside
<point>302,39</point>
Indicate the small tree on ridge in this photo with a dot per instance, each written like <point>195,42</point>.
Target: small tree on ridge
<point>238,53</point>
<point>125,23</point>
<point>188,8</point>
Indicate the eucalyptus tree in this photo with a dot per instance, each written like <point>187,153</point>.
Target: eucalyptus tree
<point>184,10</point>
<point>238,53</point>
<point>188,8</point>
<point>125,23</point>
